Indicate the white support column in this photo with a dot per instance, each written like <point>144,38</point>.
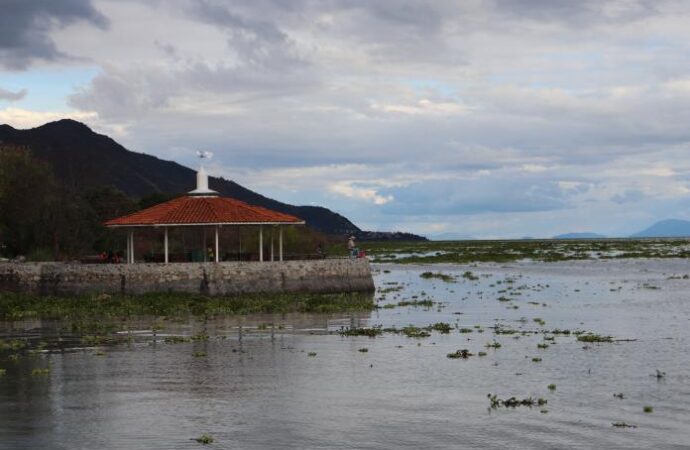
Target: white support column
<point>165,245</point>
<point>205,252</point>
<point>131,247</point>
<point>280,243</point>
<point>261,243</point>
<point>272,259</point>
<point>216,252</point>
<point>128,251</point>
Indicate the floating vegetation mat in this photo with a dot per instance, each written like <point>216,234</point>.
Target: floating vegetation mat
<point>21,306</point>
<point>463,252</point>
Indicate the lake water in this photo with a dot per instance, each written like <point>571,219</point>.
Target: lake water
<point>261,386</point>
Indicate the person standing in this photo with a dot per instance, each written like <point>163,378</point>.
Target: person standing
<point>351,247</point>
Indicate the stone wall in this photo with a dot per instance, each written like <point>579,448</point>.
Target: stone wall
<point>318,276</point>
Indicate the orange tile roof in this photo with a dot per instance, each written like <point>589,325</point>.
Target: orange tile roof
<point>190,210</point>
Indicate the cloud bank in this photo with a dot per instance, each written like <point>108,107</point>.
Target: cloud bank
<point>490,118</point>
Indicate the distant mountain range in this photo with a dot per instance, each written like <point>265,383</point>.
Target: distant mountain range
<point>666,228</point>
<point>451,237</point>
<point>663,228</point>
<point>585,235</point>
<point>83,159</point>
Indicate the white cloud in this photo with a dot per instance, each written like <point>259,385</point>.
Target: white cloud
<point>423,106</point>
<point>22,118</point>
<point>350,190</point>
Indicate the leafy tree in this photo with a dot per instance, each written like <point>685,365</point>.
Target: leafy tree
<point>26,186</point>
<point>37,215</point>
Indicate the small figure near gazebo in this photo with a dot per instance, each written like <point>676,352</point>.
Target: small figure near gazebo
<point>352,247</point>
<point>204,208</point>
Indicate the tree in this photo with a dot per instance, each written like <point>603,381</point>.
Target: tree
<point>25,188</point>
<point>38,216</point>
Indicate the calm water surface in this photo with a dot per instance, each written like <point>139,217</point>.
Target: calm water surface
<point>258,387</point>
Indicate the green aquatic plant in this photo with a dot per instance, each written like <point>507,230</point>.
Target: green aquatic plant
<point>465,330</point>
<point>481,353</point>
<point>3,372</point>
<point>86,308</point>
<point>91,341</point>
<point>543,346</point>
<point>13,344</point>
<point>648,409</point>
<point>441,327</point>
<point>370,332</point>
<point>623,425</point>
<point>594,338</point>
<point>311,354</point>
<point>40,372</point>
<point>493,345</point>
<point>176,340</point>
<point>536,359</point>
<point>363,350</point>
<point>199,354</point>
<point>619,395</point>
<point>514,402</point>
<point>205,439</point>
<point>470,276</point>
<point>460,354</point>
<point>540,321</point>
<point>551,387</point>
<point>415,332</point>
<point>441,276</point>
<point>417,303</point>
<point>388,290</point>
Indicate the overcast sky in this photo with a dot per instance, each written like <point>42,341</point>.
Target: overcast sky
<point>487,118</point>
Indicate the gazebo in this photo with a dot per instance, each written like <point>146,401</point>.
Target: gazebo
<point>203,207</point>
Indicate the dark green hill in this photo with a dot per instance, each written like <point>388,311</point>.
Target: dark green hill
<point>83,159</point>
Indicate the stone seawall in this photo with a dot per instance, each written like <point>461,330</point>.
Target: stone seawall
<point>317,276</point>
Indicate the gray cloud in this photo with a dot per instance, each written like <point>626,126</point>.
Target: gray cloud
<point>473,196</point>
<point>25,27</point>
<point>12,96</point>
<point>630,196</point>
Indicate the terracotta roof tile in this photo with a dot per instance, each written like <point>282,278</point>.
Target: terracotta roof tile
<point>190,210</point>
